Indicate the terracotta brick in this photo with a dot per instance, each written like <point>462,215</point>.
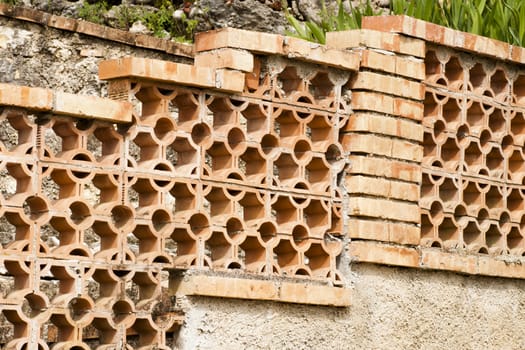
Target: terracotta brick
<point>226,58</point>
<point>435,259</point>
<point>388,84</point>
<point>377,102</point>
<point>379,60</point>
<point>149,41</point>
<point>244,288</point>
<point>170,72</point>
<point>491,266</point>
<point>229,80</point>
<point>376,253</point>
<point>385,231</point>
<point>377,39</point>
<point>410,67</point>
<point>380,124</point>
<point>358,184</point>
<point>384,209</point>
<point>311,52</point>
<point>384,167</point>
<point>92,107</point>
<point>240,39</point>
<point>26,97</point>
<point>384,146</point>
<point>61,22</point>
<point>314,294</point>
<point>385,61</point>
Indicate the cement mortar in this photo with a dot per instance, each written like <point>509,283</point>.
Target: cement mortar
<point>393,308</point>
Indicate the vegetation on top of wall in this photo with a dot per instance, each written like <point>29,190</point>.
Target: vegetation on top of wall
<point>498,19</point>
<point>162,20</point>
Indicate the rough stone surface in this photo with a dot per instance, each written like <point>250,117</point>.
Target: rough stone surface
<point>393,308</point>
<point>36,56</point>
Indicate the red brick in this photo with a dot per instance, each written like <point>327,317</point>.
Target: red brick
<point>92,107</point>
<point>358,184</point>
<point>385,231</point>
<point>380,124</point>
<point>384,209</point>
<point>226,58</point>
<point>371,252</point>
<point>240,39</point>
<point>26,97</point>
<point>384,167</point>
<point>396,86</point>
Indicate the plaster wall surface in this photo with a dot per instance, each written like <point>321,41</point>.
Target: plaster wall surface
<point>392,308</point>
<point>34,55</point>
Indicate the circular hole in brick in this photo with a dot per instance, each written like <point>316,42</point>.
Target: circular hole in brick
<point>121,216</point>
<point>497,121</point>
<point>33,305</point>
<point>300,235</point>
<point>269,144</point>
<point>84,124</point>
<point>79,212</point>
<point>35,208</point>
<point>267,231</point>
<point>506,143</point>
<point>484,138</point>
<point>301,149</point>
<point>122,310</point>
<point>439,131</point>
<point>79,308</point>
<point>234,228</point>
<point>162,167</point>
<point>200,133</point>
<point>160,219</point>
<point>334,154</point>
<point>504,221</point>
<point>463,132</point>
<point>436,211</point>
<point>199,224</point>
<point>236,140</point>
<point>163,128</point>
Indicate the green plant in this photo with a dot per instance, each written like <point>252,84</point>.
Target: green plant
<point>497,19</point>
<point>93,12</point>
<point>332,19</point>
<point>9,2</point>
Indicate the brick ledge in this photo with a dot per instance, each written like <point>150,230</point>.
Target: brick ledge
<point>258,289</point>
<point>434,259</point>
<point>96,30</point>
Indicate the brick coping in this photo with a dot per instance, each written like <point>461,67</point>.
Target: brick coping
<point>96,30</point>
<point>441,35</point>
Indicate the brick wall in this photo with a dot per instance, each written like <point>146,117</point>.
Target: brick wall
<point>251,173</point>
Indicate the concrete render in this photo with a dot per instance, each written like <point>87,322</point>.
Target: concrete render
<point>392,308</point>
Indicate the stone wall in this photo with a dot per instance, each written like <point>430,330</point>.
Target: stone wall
<point>261,189</point>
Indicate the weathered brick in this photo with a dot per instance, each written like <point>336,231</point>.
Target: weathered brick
<point>240,39</point>
<point>377,102</point>
<point>92,107</point>
<point>385,231</point>
<point>376,253</point>
<point>358,184</point>
<point>389,168</point>
<point>380,124</point>
<point>26,97</point>
<point>384,209</point>
<point>384,146</point>
<point>307,51</point>
<point>226,58</point>
<point>388,84</point>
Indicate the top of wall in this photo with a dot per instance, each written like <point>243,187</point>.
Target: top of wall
<point>96,30</point>
<point>437,34</point>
